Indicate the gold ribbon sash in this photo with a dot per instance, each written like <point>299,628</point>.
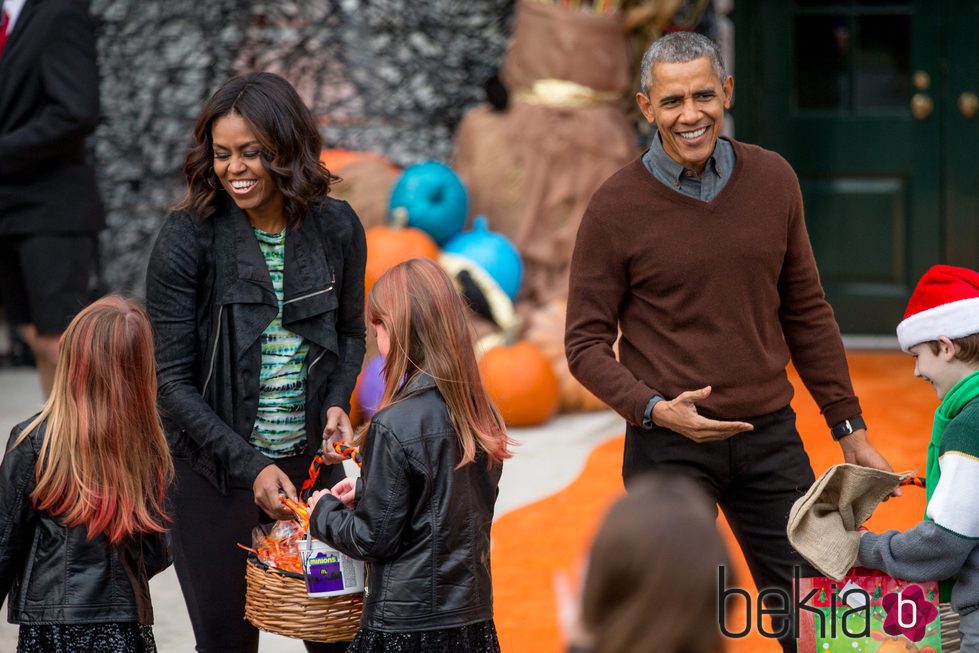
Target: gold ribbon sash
<point>563,93</point>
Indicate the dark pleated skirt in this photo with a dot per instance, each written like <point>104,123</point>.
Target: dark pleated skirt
<point>474,638</point>
<point>86,638</point>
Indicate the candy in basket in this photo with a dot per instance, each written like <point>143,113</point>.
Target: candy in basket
<point>277,545</point>
<point>283,597</point>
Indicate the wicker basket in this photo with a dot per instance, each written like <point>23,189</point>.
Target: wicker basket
<point>276,601</point>
<point>950,628</point>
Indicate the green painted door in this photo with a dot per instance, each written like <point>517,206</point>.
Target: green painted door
<point>854,95</point>
<point>960,119</point>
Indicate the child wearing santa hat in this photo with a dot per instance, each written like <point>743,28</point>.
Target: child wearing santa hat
<point>941,330</point>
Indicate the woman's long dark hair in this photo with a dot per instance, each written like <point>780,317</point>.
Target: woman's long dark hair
<point>286,131</point>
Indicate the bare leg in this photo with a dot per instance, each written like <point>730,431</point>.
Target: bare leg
<point>45,350</point>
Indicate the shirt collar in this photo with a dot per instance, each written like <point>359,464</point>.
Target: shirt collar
<point>13,9</point>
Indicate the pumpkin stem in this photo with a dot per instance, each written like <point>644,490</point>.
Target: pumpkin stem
<point>511,333</point>
<point>399,217</point>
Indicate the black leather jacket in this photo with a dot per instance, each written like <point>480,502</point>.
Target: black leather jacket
<point>209,296</point>
<point>421,524</point>
<point>52,573</point>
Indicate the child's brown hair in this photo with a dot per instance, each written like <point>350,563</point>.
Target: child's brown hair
<point>966,348</point>
<point>651,583</point>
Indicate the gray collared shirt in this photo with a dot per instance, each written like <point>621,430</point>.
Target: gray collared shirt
<point>705,188</point>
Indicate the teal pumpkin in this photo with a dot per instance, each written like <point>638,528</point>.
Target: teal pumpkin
<point>432,198</point>
<point>491,251</point>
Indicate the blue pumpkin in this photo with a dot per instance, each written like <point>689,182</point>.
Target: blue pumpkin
<point>432,198</point>
<point>491,251</point>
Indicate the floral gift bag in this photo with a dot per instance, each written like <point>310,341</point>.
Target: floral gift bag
<point>867,612</point>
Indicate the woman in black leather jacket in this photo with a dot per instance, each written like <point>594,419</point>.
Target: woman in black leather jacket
<point>82,487</point>
<point>432,459</point>
<point>256,292</point>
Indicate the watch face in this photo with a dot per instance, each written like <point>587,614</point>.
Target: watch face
<point>847,427</point>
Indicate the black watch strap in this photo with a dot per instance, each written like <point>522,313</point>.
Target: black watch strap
<point>846,427</point>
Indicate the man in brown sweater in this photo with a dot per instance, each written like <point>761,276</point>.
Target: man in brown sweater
<point>698,253</point>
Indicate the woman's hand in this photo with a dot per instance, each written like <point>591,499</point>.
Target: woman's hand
<point>337,429</point>
<point>346,491</point>
<point>268,485</point>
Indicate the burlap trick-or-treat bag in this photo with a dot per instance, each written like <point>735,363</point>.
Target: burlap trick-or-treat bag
<point>823,522</point>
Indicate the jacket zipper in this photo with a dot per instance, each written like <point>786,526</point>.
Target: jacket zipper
<point>315,361</point>
<point>307,295</point>
<point>333,282</point>
<point>217,335</point>
<point>214,352</point>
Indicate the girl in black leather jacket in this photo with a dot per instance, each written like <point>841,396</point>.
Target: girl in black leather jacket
<point>432,459</point>
<point>81,493</point>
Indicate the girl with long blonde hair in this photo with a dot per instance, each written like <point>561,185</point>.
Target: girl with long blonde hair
<point>432,458</point>
<point>82,488</point>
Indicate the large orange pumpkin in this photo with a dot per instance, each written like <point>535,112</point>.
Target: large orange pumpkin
<point>389,245</point>
<point>367,180</point>
<point>520,380</point>
<point>336,160</point>
<point>356,417</point>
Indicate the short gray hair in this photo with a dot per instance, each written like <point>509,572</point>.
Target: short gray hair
<point>680,47</point>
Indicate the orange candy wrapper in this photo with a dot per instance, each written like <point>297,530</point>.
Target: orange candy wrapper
<point>300,510</point>
<point>278,545</point>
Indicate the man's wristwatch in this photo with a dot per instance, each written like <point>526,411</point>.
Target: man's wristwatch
<point>846,427</point>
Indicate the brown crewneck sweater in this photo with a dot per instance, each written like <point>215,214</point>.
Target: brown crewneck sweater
<point>713,293</point>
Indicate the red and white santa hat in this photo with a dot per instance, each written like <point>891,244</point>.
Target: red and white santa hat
<point>944,303</point>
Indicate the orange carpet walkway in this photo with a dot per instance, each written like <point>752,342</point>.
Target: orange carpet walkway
<point>537,542</point>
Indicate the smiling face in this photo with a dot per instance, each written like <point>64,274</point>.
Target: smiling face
<point>686,102</point>
<point>238,164</point>
<point>941,370</point>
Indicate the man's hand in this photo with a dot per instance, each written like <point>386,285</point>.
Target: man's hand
<point>268,485</point>
<point>337,429</point>
<point>857,450</point>
<point>680,415</point>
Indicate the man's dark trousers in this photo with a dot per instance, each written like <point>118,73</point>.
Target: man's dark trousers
<point>754,477</point>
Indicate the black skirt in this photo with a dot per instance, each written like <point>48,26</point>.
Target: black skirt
<point>474,638</point>
<point>86,638</point>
